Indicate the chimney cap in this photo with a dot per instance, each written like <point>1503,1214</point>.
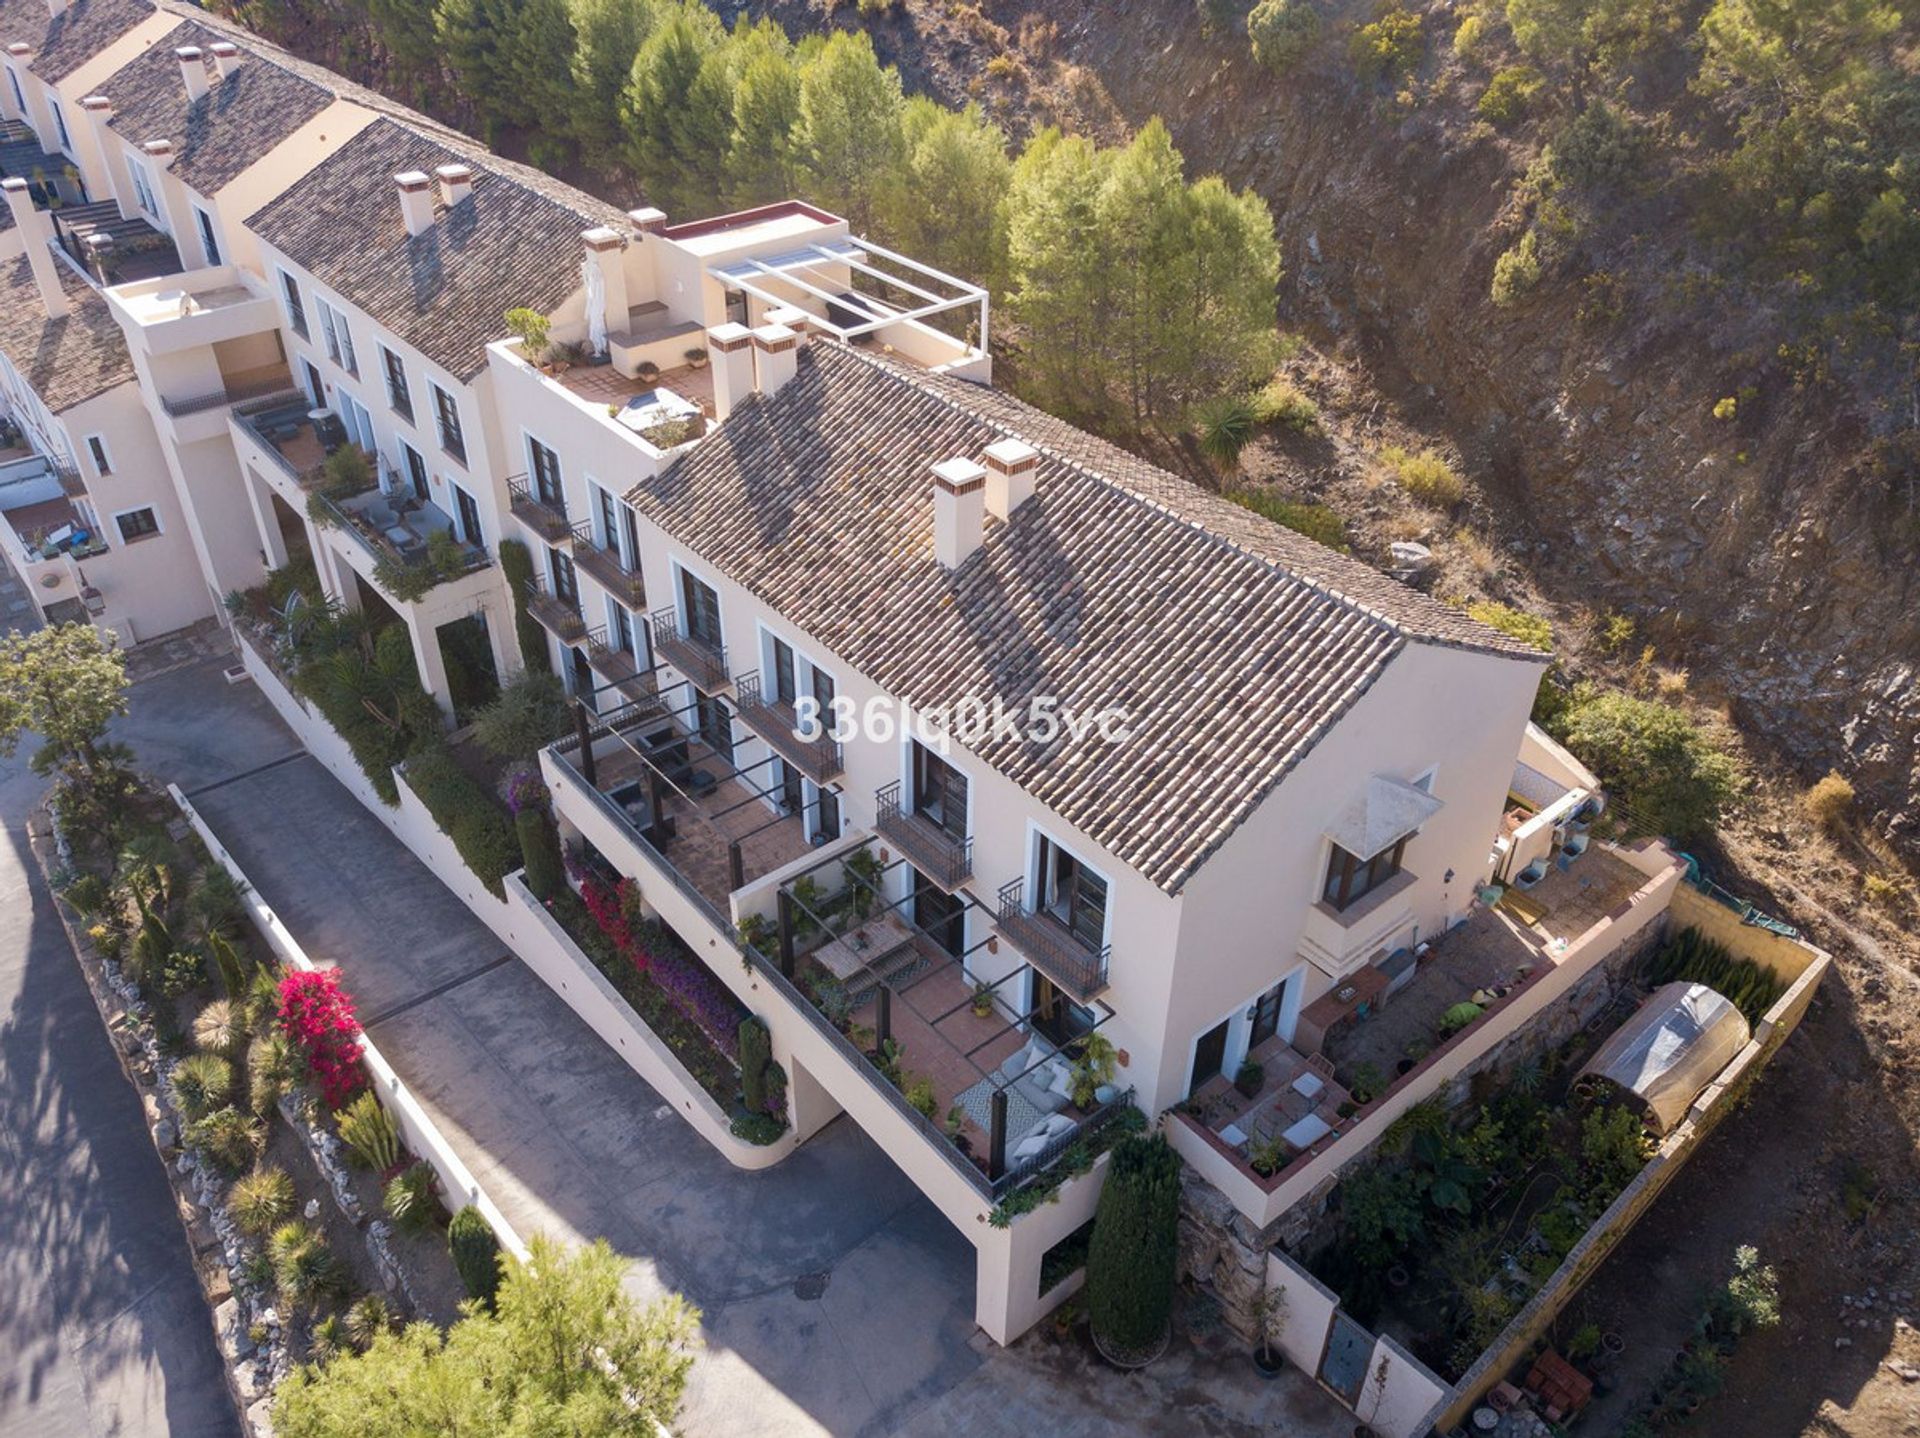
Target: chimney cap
<point>96,103</point>
<point>648,219</point>
<point>412,180</point>
<point>13,184</point>
<point>185,53</point>
<point>959,476</point>
<point>224,47</point>
<point>792,316</point>
<point>1010,455</point>
<point>729,337</point>
<point>774,338</point>
<point>157,148</point>
<point>601,237</point>
<point>19,49</point>
<point>454,171</point>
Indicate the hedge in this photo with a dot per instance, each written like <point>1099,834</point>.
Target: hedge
<point>476,1253</point>
<point>516,563</point>
<point>1132,1257</point>
<point>470,816</point>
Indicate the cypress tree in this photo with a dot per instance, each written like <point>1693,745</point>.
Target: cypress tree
<point>756,1051</point>
<point>540,853</point>
<point>1131,1260</point>
<point>476,1253</point>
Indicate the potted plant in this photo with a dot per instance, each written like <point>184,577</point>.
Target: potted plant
<point>1249,1078</point>
<point>982,999</point>
<point>697,357</point>
<point>956,1121</point>
<point>646,371</point>
<point>1270,1323</point>
<point>533,330</point>
<point>1093,1068</point>
<point>755,931</point>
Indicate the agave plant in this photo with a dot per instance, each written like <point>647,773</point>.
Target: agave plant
<point>367,1320</point>
<point>262,1200</point>
<point>201,1083</point>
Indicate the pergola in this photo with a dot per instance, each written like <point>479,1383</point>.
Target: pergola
<point>843,275</point>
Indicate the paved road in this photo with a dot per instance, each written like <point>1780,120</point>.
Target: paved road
<point>102,1327</point>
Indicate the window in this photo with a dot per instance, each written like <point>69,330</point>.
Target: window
<point>416,471</point>
<point>142,187</point>
<point>60,125</point>
<point>939,791</point>
<point>566,584</point>
<point>716,727</point>
<point>608,512</point>
<point>823,691</point>
<point>136,524</point>
<point>339,338</point>
<point>1349,877</point>
<point>699,610</point>
<point>1073,895</point>
<point>97,452</point>
<point>398,395</point>
<point>826,818</point>
<point>358,423</point>
<point>620,625</point>
<point>19,100</point>
<point>785,690</point>
<point>209,242</point>
<point>1266,1015</point>
<point>546,476</point>
<point>468,513</point>
<point>447,411</point>
<point>316,387</point>
<point>296,309</point>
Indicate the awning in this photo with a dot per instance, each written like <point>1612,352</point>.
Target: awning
<point>1386,812</point>
<point>1671,1049</point>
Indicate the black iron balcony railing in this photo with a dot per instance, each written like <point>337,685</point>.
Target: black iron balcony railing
<point>775,721</point>
<point>279,389</point>
<point>940,855</point>
<point>702,660</point>
<point>607,569</point>
<point>548,521</point>
<point>560,616</point>
<point>620,667</point>
<point>1051,947</point>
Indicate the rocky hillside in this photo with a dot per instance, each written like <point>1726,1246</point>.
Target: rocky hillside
<point>1772,554</point>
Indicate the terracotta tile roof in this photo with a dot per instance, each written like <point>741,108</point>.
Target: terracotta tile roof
<point>1231,644</point>
<point>234,125</point>
<point>67,361</point>
<point>515,242</point>
<point>63,43</point>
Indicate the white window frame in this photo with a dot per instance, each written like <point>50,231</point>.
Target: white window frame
<point>207,231</point>
<point>290,295</point>
<point>120,539</point>
<point>143,189</point>
<point>354,416</point>
<point>1036,880</point>
<point>98,455</point>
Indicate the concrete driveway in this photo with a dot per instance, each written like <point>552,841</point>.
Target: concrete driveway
<point>835,1298</point>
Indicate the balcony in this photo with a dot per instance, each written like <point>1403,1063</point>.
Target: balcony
<point>703,661</point>
<point>276,385</point>
<point>776,722</point>
<point>546,520</point>
<point>283,429</point>
<point>560,616</point>
<point>1051,947</point>
<point>946,860</point>
<point>621,669</point>
<point>110,249</point>
<point>607,569</point>
<point>413,546</point>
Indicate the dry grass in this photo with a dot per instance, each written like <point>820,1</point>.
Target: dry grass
<point>1424,474</point>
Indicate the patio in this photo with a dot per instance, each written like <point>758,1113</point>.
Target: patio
<point>683,393</point>
<point>1477,963</point>
<point>1296,1106</point>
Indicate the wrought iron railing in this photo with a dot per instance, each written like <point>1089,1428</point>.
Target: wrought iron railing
<point>607,569</point>
<point>776,721</point>
<point>1051,947</point>
<point>550,522</point>
<point>940,855</point>
<point>278,390</point>
<point>556,613</point>
<point>702,660</point>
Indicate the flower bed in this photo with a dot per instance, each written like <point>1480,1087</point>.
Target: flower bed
<point>671,992</point>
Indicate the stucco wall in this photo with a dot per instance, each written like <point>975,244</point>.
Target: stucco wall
<point>1789,958</point>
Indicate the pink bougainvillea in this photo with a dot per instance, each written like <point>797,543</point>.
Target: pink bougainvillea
<point>317,1014</point>
<point>686,983</point>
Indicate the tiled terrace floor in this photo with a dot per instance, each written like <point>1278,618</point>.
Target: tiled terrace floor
<point>1492,949</point>
<point>603,384</point>
<point>704,829</point>
<point>1250,1123</point>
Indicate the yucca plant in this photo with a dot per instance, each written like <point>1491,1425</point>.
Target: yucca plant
<point>367,1129</point>
<point>226,1139</point>
<point>1222,426</point>
<point>328,1340</point>
<point>273,1068</point>
<point>201,1083</point>
<point>262,1200</point>
<point>262,1002</point>
<point>409,1197</point>
<point>367,1320</point>
<point>220,1028</point>
<point>304,1268</point>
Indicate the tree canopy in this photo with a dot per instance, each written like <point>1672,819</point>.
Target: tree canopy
<point>566,1351</point>
<point>65,683</point>
<point>1668,772</point>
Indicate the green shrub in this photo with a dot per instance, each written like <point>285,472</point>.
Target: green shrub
<point>530,713</point>
<point>409,1199</point>
<point>1282,31</point>
<point>368,1131</point>
<point>367,1319</point>
<point>1514,623</point>
<point>201,1083</point>
<point>304,1268</point>
<point>1467,38</point>
<point>1132,1256</point>
<point>1425,475</point>
<point>1316,521</point>
<point>1510,94</point>
<point>88,893</point>
<point>469,815</point>
<point>1388,48</point>
<point>227,1140</point>
<point>181,972</point>
<point>261,1200</point>
<point>228,964</point>
<point>1517,271</point>
<point>756,1051</point>
<point>1690,957</point>
<point>1670,774</point>
<point>1599,148</point>
<point>476,1253</point>
<point>1222,426</point>
<point>920,1095</point>
<point>757,1128</point>
<point>546,872</point>
<point>1280,401</point>
<point>273,1068</point>
<point>516,566</point>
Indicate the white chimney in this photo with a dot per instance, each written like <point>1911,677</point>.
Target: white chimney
<point>34,230</point>
<point>56,8</point>
<point>776,350</point>
<point>1011,467</point>
<point>226,58</point>
<point>193,70</point>
<point>19,50</point>
<point>456,183</point>
<point>959,510</point>
<point>606,252</point>
<point>158,151</point>
<point>648,220</point>
<point>730,349</point>
<point>416,200</point>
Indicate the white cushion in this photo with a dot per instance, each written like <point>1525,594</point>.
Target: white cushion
<point>1309,1131</point>
<point>1062,1080</point>
<point>1308,1085</point>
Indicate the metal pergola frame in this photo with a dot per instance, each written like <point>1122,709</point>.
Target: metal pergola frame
<point>755,276</point>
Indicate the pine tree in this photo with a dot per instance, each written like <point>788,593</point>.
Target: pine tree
<point>850,127</point>
<point>675,125</point>
<point>949,209</point>
<point>607,36</point>
<point>763,161</point>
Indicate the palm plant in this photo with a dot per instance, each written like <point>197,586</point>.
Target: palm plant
<point>303,1267</point>
<point>367,1320</point>
<point>1223,426</point>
